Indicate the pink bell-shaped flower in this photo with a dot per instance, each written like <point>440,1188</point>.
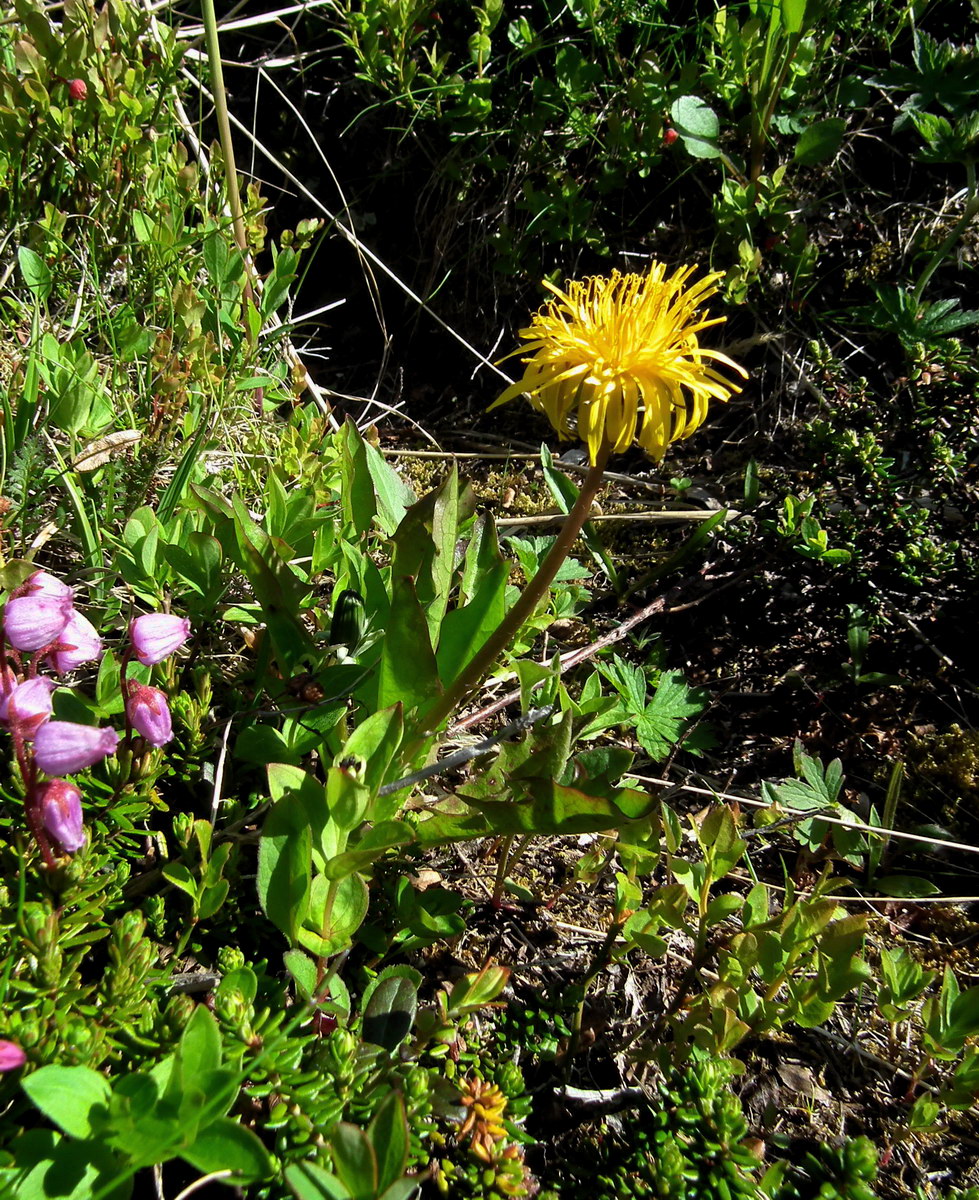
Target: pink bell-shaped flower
<point>61,813</point>
<point>31,622</point>
<point>155,636</point>
<point>148,712</point>
<point>43,584</point>
<point>78,643</point>
<point>28,706</point>
<point>62,747</point>
<point>12,1058</point>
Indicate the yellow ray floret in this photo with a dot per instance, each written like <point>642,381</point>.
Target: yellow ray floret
<point>612,355</point>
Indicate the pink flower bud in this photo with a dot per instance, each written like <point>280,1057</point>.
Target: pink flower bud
<point>62,747</point>
<point>78,643</point>
<point>31,622</point>
<point>61,813</point>
<point>43,584</point>
<point>28,705</point>
<point>78,89</point>
<point>11,1056</point>
<point>669,136</point>
<point>148,712</point>
<point>155,636</point>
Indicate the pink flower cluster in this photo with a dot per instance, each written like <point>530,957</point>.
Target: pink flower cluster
<point>40,620</point>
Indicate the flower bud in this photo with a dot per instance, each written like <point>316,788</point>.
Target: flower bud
<point>11,1056</point>
<point>35,620</point>
<point>148,712</point>
<point>62,747</point>
<point>78,643</point>
<point>28,706</point>
<point>155,636</point>
<point>61,813</point>
<point>669,136</point>
<point>78,89</point>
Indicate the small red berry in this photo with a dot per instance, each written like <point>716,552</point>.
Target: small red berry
<point>77,89</point>
<point>669,136</point>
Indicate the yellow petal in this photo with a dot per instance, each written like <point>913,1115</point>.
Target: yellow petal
<point>605,346</point>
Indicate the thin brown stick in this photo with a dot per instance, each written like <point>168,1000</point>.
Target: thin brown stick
<point>573,657</point>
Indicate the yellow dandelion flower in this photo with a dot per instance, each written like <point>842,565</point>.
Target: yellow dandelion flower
<point>610,355</point>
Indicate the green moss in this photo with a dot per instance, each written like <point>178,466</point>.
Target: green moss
<point>949,764</point>
<point>950,759</point>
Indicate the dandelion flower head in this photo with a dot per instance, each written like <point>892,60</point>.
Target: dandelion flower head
<point>618,359</point>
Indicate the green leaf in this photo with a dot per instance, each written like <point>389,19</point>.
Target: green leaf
<point>284,865</point>
<point>820,141</point>
<point>475,990</point>
<point>424,549</point>
<point>697,125</point>
<point>144,1126</point>
<point>68,1095</point>
<point>482,557</point>
<point>49,1166</point>
<point>36,272</point>
<point>200,1046</point>
<point>377,840</point>
<point>357,493</point>
<point>401,1189</point>
<point>628,680</point>
<point>198,562</point>
<point>346,799</point>
<point>907,887</point>
<point>661,724</point>
<point>393,495</point>
<point>389,1005</point>
<point>465,630</point>
<point>311,1182</point>
<point>331,923</point>
<point>214,897</point>
<point>550,808</point>
<point>755,910</point>
<point>964,1018</point>
<point>241,981</point>
<point>924,1112</point>
<point>280,279</point>
<point>216,255</point>
<point>179,874</point>
<point>176,489</point>
<point>354,1161</point>
<point>303,971</point>
<point>206,1097</point>
<point>376,741</point>
<point>721,908</point>
<point>225,1145</point>
<point>277,588</point>
<point>388,1134</point>
<point>348,624</point>
<point>309,794</point>
<point>407,671</point>
<point>793,15</point>
<point>262,744</point>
